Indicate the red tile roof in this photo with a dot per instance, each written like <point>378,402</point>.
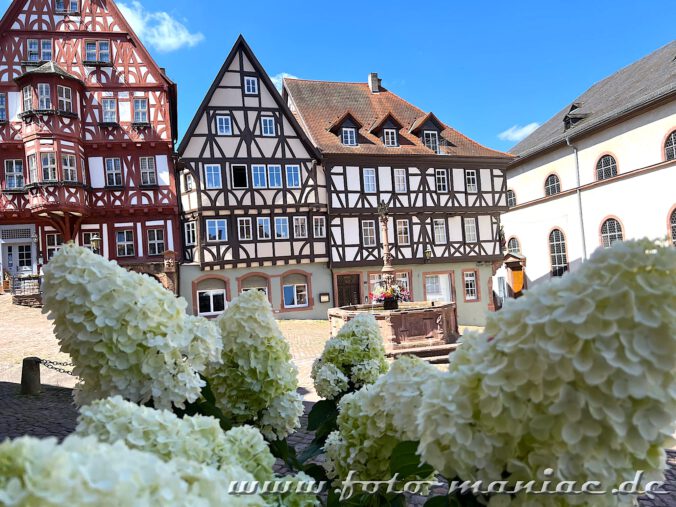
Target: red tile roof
<point>320,104</point>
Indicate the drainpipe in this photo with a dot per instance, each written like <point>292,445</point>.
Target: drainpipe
<point>579,199</point>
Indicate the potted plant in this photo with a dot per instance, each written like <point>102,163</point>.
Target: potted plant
<point>390,297</point>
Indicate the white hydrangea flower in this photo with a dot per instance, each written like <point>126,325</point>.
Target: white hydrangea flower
<point>353,358</point>
<point>125,334</point>
<point>282,416</point>
<point>577,375</point>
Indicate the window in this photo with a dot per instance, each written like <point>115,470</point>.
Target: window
<point>264,290</point>
<point>90,52</point>
<point>113,172</point>
<point>140,110</point>
<point>403,233</point>
<point>190,231</point>
<point>25,255</point>
<point>400,183</point>
<point>611,231</point>
<point>470,181</point>
<point>44,96</point>
<point>511,198</point>
<point>3,107</point>
<point>295,296</point>
<point>439,231</point>
<point>431,140</point>
<point>33,168</point>
<point>441,180</point>
<point>190,182</point>
<point>348,136</point>
<point>471,288</point>
<point>27,98</point>
<point>104,51</point>
<point>292,176</point>
<point>124,240</point>
<point>67,6</point>
<point>390,137</point>
<point>275,176</point>
<point>402,280</point>
<point>13,174</point>
<point>606,168</point>
<point>54,242</point>
<point>319,226</point>
<point>212,175</point>
<point>148,171</point>
<point>513,246</point>
<point>69,167</point>
<point>263,226</point>
<point>552,185</point>
<point>670,146</point>
<point>217,230</point>
<point>46,50</point>
<point>48,166</point>
<point>470,230</point>
<point>438,288</point>
<point>224,125</point>
<point>65,96</point>
<point>368,233</point>
<point>210,302</point>
<point>109,110</point>
<point>673,227</point>
<point>97,51</point>
<point>155,241</point>
<point>250,85</point>
<point>240,177</point>
<point>299,227</point>
<point>260,177</point>
<point>244,231</point>
<point>370,181</point>
<point>39,50</point>
<point>268,126</point>
<point>557,253</point>
<point>281,228</point>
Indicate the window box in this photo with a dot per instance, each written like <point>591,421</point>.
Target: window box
<point>109,124</point>
<point>20,190</point>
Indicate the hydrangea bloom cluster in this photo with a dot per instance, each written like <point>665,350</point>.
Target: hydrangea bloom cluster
<point>256,382</point>
<point>125,333</point>
<point>375,419</point>
<point>353,358</point>
<point>85,472</point>
<point>578,376</point>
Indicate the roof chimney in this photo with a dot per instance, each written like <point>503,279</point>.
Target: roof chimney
<point>374,82</point>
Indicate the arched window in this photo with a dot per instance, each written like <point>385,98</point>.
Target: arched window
<point>552,185</point>
<point>673,227</point>
<point>513,246</point>
<point>557,252</point>
<point>511,198</point>
<point>611,231</point>
<point>670,146</point>
<point>606,168</point>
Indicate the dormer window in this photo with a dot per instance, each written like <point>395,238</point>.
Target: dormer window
<point>431,140</point>
<point>250,85</point>
<point>390,137</point>
<point>348,136</point>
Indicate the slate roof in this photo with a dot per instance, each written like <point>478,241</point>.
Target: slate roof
<point>320,103</point>
<point>50,68</point>
<point>643,82</point>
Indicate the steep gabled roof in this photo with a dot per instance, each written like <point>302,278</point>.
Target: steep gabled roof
<point>240,43</point>
<point>348,115</point>
<point>378,124</point>
<point>429,117</point>
<point>49,68</point>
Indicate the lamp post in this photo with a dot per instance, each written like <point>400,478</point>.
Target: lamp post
<point>428,255</point>
<point>388,269</point>
<point>95,242</point>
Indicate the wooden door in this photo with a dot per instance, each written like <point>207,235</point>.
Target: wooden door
<point>349,291</point>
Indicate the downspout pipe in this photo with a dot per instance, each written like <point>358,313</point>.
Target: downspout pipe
<point>579,198</point>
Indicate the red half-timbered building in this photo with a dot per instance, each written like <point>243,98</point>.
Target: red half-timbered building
<point>87,131</point>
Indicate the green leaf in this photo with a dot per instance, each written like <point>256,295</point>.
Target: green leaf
<point>282,450</point>
<point>322,412</point>
<point>317,472</point>
<point>405,462</point>
<point>311,451</point>
<point>441,501</point>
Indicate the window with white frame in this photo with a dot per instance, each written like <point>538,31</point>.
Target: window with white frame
<point>606,168</point>
<point>155,241</point>
<point>33,168</point>
<point>250,85</point>
<point>470,229</point>
<point>292,176</point>
<point>263,228</point>
<point>44,96</point>
<point>48,166</point>
<point>91,54</point>
<point>439,231</point>
<point>148,171</point>
<point>513,246</point>
<point>65,96</point>
<point>431,140</point>
<point>54,241</point>
<point>673,227</point>
<point>670,146</point>
<point>46,50</point>
<point>69,167</point>
<point>264,290</point>
<point>557,253</point>
<point>3,107</point>
<point>400,183</point>
<point>240,176</point>
<point>471,184</point>
<point>109,107</point>
<point>27,98</point>
<point>402,280</point>
<point>390,138</point>
<point>212,176</point>
<point>611,231</point>
<point>348,136</point>
<point>319,227</point>
<point>403,233</point>
<point>88,241</point>
<point>275,176</point>
<point>14,174</point>
<point>189,182</point>
<point>244,229</point>
<point>438,288</point>
<point>552,185</point>
<point>368,233</point>
<point>124,242</point>
<point>295,296</point>
<point>224,125</point>
<point>210,302</point>
<point>370,186</point>
<point>217,230</point>
<point>190,230</point>
<point>113,172</point>
<point>268,126</point>
<point>471,289</point>
<point>70,6</point>
<point>140,110</point>
<point>33,50</point>
<point>281,228</point>
<point>97,51</point>
<point>441,179</point>
<point>300,227</point>
<point>511,199</point>
<point>260,176</point>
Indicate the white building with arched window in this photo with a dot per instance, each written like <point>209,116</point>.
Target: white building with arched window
<point>601,170</point>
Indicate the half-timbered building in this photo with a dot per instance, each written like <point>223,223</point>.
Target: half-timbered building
<point>444,191</point>
<point>87,129</point>
<point>253,199</point>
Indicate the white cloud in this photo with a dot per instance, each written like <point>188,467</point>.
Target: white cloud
<point>518,133</point>
<point>159,29</point>
<point>277,79</point>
